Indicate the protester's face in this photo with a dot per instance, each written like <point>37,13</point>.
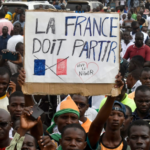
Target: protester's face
<point>139,40</point>
<point>124,17</point>
<point>5,30</point>
<point>128,120</point>
<point>73,139</point>
<point>129,15</point>
<point>17,103</point>
<point>139,17</point>
<point>131,10</point>
<point>142,100</point>
<point>28,143</point>
<point>126,36</point>
<point>115,119</point>
<point>5,10</point>
<point>136,28</point>
<point>5,126</point>
<point>82,103</point>
<point>16,10</point>
<point>17,28</point>
<point>144,29</point>
<point>20,49</point>
<point>19,11</point>
<point>145,78</point>
<point>141,12</point>
<point>65,119</point>
<point>22,18</point>
<point>139,138</point>
<point>98,9</point>
<point>148,42</point>
<point>79,7</point>
<point>4,82</point>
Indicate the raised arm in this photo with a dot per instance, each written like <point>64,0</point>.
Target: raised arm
<point>26,123</point>
<point>21,80</point>
<point>98,123</point>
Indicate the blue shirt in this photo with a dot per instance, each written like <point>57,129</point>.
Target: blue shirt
<point>3,42</point>
<point>136,117</point>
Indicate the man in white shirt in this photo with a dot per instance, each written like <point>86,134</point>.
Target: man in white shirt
<point>125,43</point>
<point>122,19</point>
<point>16,38</point>
<point>133,80</point>
<point>136,28</point>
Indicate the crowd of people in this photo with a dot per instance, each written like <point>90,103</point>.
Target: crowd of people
<point>76,122</point>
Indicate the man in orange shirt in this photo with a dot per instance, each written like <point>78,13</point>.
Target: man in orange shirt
<point>82,103</point>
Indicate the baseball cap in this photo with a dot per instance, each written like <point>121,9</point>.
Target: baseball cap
<point>122,109</point>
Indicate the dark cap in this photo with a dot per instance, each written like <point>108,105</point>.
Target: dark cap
<point>122,109</point>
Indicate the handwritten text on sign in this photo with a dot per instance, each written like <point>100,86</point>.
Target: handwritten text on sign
<point>71,47</point>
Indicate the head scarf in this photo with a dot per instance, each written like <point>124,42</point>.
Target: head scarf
<point>66,106</point>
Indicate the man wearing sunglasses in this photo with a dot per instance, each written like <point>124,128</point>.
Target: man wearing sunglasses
<point>82,103</point>
<point>5,126</point>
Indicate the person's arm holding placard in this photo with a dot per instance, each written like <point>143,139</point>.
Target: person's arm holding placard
<point>98,124</point>
<point>21,80</point>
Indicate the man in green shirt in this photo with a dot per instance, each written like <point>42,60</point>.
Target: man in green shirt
<point>123,98</point>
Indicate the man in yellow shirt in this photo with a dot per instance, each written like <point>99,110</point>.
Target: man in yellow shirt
<point>8,15</point>
<point>123,98</point>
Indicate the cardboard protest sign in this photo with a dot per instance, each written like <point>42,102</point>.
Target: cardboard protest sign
<point>70,49</point>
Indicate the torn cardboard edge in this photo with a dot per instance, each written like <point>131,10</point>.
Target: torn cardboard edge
<point>69,88</point>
